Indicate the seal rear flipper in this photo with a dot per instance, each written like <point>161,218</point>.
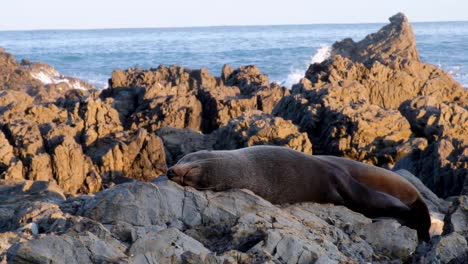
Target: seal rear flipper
<point>370,202</point>
<point>420,219</point>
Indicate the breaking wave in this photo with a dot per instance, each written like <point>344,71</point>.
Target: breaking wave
<point>296,74</point>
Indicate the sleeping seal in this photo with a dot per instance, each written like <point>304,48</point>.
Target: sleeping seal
<point>282,175</point>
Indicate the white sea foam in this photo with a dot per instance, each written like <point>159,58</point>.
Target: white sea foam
<point>296,74</point>
<point>322,54</point>
<point>48,77</point>
<point>43,77</point>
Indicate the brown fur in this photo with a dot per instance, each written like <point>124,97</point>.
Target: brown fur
<point>282,175</point>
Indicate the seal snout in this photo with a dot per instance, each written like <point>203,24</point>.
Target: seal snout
<point>176,174</point>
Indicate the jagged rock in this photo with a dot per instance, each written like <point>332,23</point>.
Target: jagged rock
<point>242,222</point>
<point>364,132</point>
<point>354,129</point>
<point>35,79</point>
<point>70,166</point>
<point>27,202</point>
<point>52,78</point>
<point>27,140</point>
<point>180,142</point>
<point>226,71</point>
<point>222,104</point>
<point>194,99</point>
<point>100,119</point>
<point>7,156</point>
<point>13,102</point>
<point>380,72</point>
<point>175,111</point>
<point>446,248</point>
<point>384,69</point>
<point>257,128</point>
<point>442,166</point>
<point>248,79</point>
<point>395,40</point>
<point>161,81</point>
<point>268,97</point>
<point>46,114</point>
<point>14,77</point>
<point>434,120</point>
<point>457,218</point>
<point>139,155</point>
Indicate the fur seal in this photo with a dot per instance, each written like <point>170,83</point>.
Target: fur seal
<point>282,175</point>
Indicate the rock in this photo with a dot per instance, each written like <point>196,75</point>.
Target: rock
<point>86,248</point>
<point>442,166</point>
<point>226,71</point>
<point>100,119</point>
<point>26,138</point>
<point>138,155</point>
<point>222,104</point>
<point>239,221</point>
<point>433,120</point>
<point>165,246</point>
<point>434,203</point>
<point>26,202</point>
<point>257,128</point>
<point>175,111</point>
<point>13,102</point>
<point>14,77</point>
<point>7,156</point>
<point>395,40</point>
<point>180,142</point>
<point>268,97</point>
<point>446,248</point>
<point>457,218</point>
<point>53,79</point>
<point>36,79</point>
<point>248,79</point>
<point>389,238</point>
<point>70,166</point>
<point>384,69</point>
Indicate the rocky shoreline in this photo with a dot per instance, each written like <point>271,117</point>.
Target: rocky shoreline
<point>80,168</point>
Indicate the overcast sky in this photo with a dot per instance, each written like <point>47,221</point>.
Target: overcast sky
<point>85,14</point>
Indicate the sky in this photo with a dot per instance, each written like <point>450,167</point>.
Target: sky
<point>91,14</point>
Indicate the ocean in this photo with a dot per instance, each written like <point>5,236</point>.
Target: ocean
<point>282,52</point>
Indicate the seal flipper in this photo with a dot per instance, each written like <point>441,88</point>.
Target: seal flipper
<point>371,203</point>
<point>374,204</point>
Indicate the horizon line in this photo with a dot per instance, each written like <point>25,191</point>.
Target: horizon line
<point>223,26</point>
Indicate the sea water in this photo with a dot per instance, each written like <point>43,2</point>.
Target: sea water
<point>282,52</point>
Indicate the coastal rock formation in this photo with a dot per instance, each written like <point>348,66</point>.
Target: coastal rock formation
<point>38,80</point>
<point>138,155</point>
<point>193,99</point>
<point>256,128</point>
<point>72,160</point>
<point>165,221</point>
<point>187,227</point>
<point>350,105</point>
